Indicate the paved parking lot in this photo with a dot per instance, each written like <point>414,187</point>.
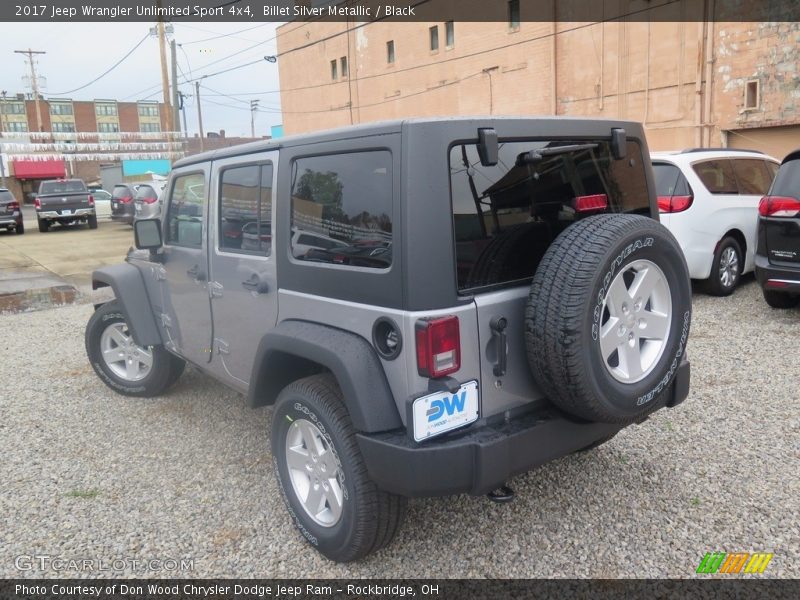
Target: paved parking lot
<point>89,474</point>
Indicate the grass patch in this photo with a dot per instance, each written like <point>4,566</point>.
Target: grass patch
<point>695,501</point>
<point>83,494</point>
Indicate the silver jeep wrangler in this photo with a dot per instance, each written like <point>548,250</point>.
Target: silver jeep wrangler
<point>430,306</point>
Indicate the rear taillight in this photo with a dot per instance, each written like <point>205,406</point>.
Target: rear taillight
<point>91,200</point>
<point>595,202</point>
<point>674,204</point>
<point>13,206</point>
<point>779,206</point>
<point>438,346</point>
<point>126,199</point>
<point>37,204</point>
<point>149,200</point>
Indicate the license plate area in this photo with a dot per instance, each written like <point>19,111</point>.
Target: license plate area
<point>440,412</point>
<point>66,211</point>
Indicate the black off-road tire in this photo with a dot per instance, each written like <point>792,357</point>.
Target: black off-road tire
<point>565,311</point>
<point>165,370</point>
<point>92,221</point>
<point>44,226</point>
<point>19,229</point>
<point>370,517</point>
<point>507,253</point>
<point>714,285</point>
<point>780,300</point>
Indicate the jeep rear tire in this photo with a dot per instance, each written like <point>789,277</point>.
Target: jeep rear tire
<point>44,226</point>
<point>123,365</point>
<point>608,317</point>
<point>322,475</point>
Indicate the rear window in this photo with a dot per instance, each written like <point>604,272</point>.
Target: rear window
<point>669,180</point>
<point>145,191</point>
<point>121,191</point>
<point>62,187</point>
<point>787,182</point>
<point>6,196</point>
<point>509,214</point>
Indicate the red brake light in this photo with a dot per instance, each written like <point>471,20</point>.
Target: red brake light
<point>149,200</point>
<point>126,199</point>
<point>674,204</point>
<point>13,205</point>
<point>438,346</point>
<point>779,206</point>
<point>590,203</point>
<point>37,204</point>
<point>91,200</point>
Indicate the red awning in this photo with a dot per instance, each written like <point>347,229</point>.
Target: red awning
<point>38,169</point>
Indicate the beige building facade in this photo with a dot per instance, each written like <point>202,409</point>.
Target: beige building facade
<point>693,83</point>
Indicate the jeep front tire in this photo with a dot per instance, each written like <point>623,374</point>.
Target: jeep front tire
<point>322,476</point>
<point>608,316</point>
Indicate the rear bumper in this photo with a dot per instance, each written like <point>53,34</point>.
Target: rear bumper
<point>54,214</point>
<point>781,278</point>
<point>484,458</point>
<point>9,220</point>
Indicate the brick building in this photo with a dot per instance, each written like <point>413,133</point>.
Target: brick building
<point>33,139</point>
<point>693,83</point>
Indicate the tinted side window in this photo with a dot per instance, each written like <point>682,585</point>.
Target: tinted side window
<point>772,168</point>
<point>344,203</point>
<point>245,210</point>
<point>146,191</point>
<point>186,209</point>
<point>717,176</point>
<point>787,183</point>
<point>121,191</point>
<point>752,176</point>
<point>666,178</point>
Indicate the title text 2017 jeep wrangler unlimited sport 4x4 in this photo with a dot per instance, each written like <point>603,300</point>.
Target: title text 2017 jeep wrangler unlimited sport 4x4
<point>430,306</point>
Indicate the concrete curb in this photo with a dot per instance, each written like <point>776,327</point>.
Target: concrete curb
<point>39,298</point>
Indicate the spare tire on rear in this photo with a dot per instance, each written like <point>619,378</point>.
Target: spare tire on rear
<point>608,317</point>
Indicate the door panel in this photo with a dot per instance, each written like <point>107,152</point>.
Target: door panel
<point>243,273</point>
<point>186,317</point>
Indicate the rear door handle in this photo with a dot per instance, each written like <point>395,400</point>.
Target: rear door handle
<point>196,273</point>
<point>498,326</point>
<point>255,284</point>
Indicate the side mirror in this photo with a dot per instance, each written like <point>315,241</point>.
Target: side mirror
<point>619,143</point>
<point>487,147</point>
<point>147,234</point>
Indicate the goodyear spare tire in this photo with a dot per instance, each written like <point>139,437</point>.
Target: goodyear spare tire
<point>607,318</point>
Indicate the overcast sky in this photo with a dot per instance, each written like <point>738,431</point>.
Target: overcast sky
<point>79,52</point>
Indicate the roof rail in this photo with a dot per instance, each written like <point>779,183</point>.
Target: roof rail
<point>688,150</point>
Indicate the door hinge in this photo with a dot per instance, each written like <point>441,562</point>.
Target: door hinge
<point>215,289</point>
<point>222,346</point>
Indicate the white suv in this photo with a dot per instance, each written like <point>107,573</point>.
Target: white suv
<point>709,201</point>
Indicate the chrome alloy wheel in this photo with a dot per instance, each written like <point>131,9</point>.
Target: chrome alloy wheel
<point>122,355</point>
<point>637,314</point>
<point>728,267</point>
<point>313,471</point>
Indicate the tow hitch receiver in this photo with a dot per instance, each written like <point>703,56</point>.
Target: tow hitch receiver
<point>501,495</point>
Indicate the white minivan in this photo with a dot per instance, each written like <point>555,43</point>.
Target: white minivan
<point>709,201</point>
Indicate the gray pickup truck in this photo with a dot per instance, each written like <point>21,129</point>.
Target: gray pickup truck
<point>64,201</point>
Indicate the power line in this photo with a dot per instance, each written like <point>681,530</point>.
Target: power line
<point>221,35</point>
<point>114,66</point>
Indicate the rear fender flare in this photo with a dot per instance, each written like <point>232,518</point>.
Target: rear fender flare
<point>297,349</point>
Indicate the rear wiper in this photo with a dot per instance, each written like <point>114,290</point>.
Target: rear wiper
<point>534,156</point>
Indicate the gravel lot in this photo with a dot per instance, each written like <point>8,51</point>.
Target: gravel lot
<point>89,474</point>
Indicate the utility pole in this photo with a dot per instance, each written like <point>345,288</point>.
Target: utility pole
<point>199,113</point>
<point>34,83</point>
<point>253,109</point>
<point>162,47</point>
<point>183,112</point>
<point>2,130</point>
<point>175,115</point>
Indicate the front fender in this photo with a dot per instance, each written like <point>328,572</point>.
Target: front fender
<point>297,349</point>
<point>131,294</point>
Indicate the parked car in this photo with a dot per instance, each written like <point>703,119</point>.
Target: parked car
<point>10,213</point>
<point>64,201</point>
<point>122,207</point>
<point>709,200</point>
<point>778,253</point>
<point>146,203</point>
<point>452,359</point>
<point>102,203</point>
